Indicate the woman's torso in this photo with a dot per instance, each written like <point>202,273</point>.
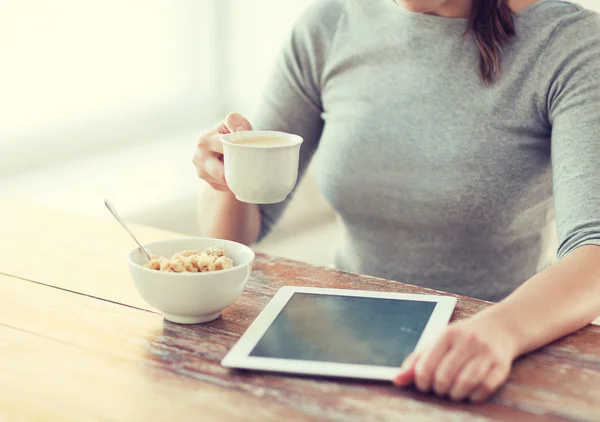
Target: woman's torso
<point>438,180</point>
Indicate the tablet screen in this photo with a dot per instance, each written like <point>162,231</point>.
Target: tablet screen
<point>345,329</point>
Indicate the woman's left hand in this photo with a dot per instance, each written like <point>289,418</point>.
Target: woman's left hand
<point>471,359</point>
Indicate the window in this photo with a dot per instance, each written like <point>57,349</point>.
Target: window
<point>78,76</point>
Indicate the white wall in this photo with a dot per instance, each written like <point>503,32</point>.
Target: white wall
<point>590,4</point>
<point>257,30</point>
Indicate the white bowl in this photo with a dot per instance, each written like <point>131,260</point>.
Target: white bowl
<point>191,298</point>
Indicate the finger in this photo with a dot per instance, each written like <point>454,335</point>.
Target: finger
<point>406,375</point>
<point>219,187</point>
<point>211,141</point>
<point>430,360</point>
<point>215,169</point>
<point>450,366</point>
<point>469,378</point>
<point>209,165</point>
<point>494,379</point>
<point>214,184</point>
<point>235,122</point>
<point>210,168</point>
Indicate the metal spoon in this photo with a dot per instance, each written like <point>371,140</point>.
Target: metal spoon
<point>113,211</point>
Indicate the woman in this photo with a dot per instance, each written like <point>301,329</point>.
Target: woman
<point>448,155</point>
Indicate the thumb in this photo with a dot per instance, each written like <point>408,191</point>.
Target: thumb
<point>407,372</point>
<point>235,122</point>
<point>404,377</point>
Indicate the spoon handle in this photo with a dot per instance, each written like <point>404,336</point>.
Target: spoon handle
<point>113,211</point>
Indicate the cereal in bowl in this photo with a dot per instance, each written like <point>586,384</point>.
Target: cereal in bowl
<point>193,261</point>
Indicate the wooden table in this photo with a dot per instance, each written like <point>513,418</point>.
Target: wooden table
<point>78,343</point>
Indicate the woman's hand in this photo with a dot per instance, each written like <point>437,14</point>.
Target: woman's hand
<point>471,359</point>
<point>208,158</point>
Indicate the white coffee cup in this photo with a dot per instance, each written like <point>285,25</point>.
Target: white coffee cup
<point>261,173</point>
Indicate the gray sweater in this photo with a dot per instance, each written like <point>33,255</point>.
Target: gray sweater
<point>438,180</point>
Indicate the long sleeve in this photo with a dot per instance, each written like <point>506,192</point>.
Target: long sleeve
<point>571,80</point>
<point>292,98</point>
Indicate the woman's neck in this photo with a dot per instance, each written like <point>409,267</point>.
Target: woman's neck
<point>454,9</point>
<point>457,8</point>
<point>446,8</point>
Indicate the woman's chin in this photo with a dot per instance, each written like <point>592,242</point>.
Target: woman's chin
<point>417,6</point>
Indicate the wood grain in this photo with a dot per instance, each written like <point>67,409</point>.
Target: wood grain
<point>71,251</point>
<point>100,328</point>
<point>48,380</point>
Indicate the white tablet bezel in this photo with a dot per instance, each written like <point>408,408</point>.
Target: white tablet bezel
<point>239,355</point>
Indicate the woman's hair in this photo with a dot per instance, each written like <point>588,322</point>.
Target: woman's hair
<point>492,23</point>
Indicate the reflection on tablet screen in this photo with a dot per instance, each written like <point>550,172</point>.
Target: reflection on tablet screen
<point>345,329</point>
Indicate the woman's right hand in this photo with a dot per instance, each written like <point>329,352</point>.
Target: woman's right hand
<point>208,158</point>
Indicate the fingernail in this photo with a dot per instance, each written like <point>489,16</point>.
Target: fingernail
<point>475,399</point>
<point>240,129</point>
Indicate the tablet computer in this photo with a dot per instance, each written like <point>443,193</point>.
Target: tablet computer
<point>340,333</point>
